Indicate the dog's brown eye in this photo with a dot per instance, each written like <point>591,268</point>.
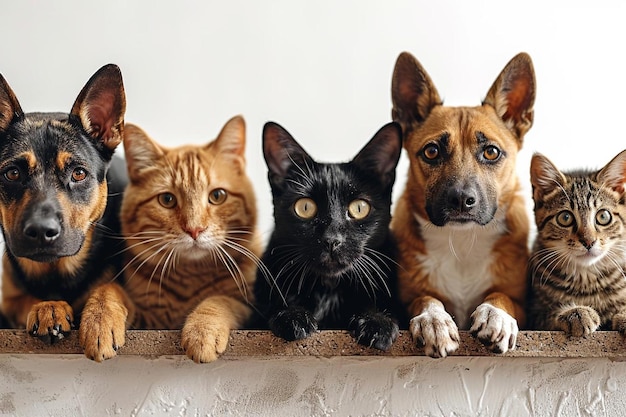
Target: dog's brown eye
<point>565,218</point>
<point>167,200</point>
<point>431,152</point>
<point>491,153</point>
<point>79,174</point>
<point>217,196</point>
<point>12,174</point>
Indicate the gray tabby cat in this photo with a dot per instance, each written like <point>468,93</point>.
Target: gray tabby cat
<point>578,262</point>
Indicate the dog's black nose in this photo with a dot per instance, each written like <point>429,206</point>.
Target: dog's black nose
<point>42,229</point>
<point>461,199</point>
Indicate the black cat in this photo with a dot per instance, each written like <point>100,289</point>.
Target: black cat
<point>331,254</point>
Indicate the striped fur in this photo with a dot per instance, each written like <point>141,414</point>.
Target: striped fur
<point>578,262</point>
<point>192,251</point>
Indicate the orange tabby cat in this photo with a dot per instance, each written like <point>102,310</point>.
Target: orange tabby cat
<point>189,219</point>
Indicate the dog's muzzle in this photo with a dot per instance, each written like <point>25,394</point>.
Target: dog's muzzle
<point>462,203</point>
<point>42,236</point>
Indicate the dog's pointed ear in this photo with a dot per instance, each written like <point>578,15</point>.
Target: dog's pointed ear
<point>382,153</point>
<point>614,173</point>
<point>101,105</point>
<point>140,151</point>
<point>412,92</point>
<point>232,137</point>
<point>512,95</point>
<point>9,106</point>
<point>281,151</point>
<point>545,177</point>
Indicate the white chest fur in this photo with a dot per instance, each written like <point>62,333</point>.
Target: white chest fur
<point>458,263</point>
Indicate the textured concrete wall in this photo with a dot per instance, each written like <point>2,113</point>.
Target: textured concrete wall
<point>70,385</point>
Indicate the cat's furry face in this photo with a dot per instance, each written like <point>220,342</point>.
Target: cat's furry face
<point>330,216</point>
<point>580,215</point>
<point>189,202</point>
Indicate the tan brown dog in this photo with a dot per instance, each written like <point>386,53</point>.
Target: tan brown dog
<point>461,224</point>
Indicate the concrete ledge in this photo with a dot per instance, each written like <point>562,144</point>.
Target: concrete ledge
<point>248,343</point>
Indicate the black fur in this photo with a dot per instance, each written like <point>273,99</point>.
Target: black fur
<point>331,271</point>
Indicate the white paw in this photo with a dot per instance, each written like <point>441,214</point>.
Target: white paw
<point>435,330</point>
<point>494,327</point>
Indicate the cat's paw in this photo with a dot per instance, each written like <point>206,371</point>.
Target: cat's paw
<point>293,324</point>
<point>578,321</point>
<point>618,322</point>
<point>375,330</point>
<point>494,327</point>
<point>436,332</point>
<point>51,321</point>
<point>204,341</point>
<point>102,329</point>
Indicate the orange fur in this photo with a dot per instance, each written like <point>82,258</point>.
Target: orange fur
<point>183,269</point>
<point>432,287</point>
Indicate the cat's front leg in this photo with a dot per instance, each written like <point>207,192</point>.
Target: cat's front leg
<point>293,323</point>
<point>374,329</point>
<point>618,322</point>
<point>433,328</point>
<point>207,328</point>
<point>577,320</point>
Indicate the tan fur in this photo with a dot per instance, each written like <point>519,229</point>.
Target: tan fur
<point>190,288</point>
<point>503,118</point>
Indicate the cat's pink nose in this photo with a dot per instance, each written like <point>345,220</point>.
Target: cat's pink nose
<point>194,232</point>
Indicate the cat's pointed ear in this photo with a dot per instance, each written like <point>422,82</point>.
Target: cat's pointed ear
<point>141,152</point>
<point>512,95</point>
<point>412,92</point>
<point>544,176</point>
<point>280,149</point>
<point>381,154</point>
<point>614,173</point>
<point>101,105</point>
<point>9,106</point>
<point>232,137</point>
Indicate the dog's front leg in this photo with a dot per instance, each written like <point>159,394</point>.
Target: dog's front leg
<point>494,324</point>
<point>433,328</point>
<point>104,319</point>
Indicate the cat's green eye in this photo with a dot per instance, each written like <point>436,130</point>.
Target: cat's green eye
<point>217,196</point>
<point>167,200</point>
<point>603,217</point>
<point>305,208</point>
<point>565,218</point>
<point>359,209</point>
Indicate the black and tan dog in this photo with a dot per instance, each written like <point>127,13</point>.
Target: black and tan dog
<point>57,223</point>
<point>461,224</point>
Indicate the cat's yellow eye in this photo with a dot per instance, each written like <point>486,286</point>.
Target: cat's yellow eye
<point>167,200</point>
<point>565,218</point>
<point>431,151</point>
<point>359,209</point>
<point>305,208</point>
<point>491,153</point>
<point>217,196</point>
<point>603,217</point>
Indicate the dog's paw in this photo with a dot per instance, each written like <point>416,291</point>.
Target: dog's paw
<point>293,323</point>
<point>436,332</point>
<point>494,327</point>
<point>204,341</point>
<point>51,321</point>
<point>375,330</point>
<point>102,330</point>
<point>578,321</point>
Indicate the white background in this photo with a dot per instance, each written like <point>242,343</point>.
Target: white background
<point>322,69</point>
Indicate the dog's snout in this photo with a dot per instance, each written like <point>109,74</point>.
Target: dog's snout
<point>43,226</point>
<point>461,199</point>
